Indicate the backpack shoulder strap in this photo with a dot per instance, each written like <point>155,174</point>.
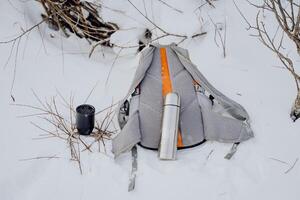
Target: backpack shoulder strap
<point>144,63</point>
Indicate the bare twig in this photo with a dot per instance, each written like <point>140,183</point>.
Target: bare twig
<point>40,157</point>
<point>242,15</point>
<point>22,34</point>
<point>281,161</point>
<point>91,91</point>
<point>10,54</point>
<point>168,5</point>
<point>78,17</point>
<point>287,171</point>
<point>207,157</point>
<point>206,2</point>
<point>288,19</point>
<point>63,127</point>
<point>15,70</point>
<point>222,37</point>
<point>112,65</point>
<point>165,33</point>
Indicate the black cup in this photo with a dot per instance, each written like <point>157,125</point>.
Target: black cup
<point>85,119</point>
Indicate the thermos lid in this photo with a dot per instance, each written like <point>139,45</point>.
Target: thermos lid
<point>172,98</point>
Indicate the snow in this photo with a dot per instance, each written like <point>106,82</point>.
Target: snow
<point>248,74</point>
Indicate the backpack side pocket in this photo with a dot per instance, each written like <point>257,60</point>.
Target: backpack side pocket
<point>129,136</point>
<point>218,127</point>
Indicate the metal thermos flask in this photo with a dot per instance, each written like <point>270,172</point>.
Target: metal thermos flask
<point>169,130</point>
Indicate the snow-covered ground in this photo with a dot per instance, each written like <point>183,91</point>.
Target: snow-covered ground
<point>250,74</point>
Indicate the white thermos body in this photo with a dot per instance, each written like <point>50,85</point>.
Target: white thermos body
<point>169,129</point>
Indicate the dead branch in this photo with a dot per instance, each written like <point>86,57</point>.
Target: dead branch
<point>63,126</point>
<point>288,19</point>
<point>17,40</point>
<point>208,156</point>
<point>10,54</point>
<point>22,34</point>
<point>242,15</point>
<point>73,16</point>
<point>151,40</point>
<point>168,5</point>
<point>210,2</point>
<point>287,171</point>
<point>269,42</point>
<point>78,17</point>
<point>206,2</point>
<point>220,32</point>
<point>278,160</point>
<point>40,157</point>
<point>156,26</point>
<point>291,166</point>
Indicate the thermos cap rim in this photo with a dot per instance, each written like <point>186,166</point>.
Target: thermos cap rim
<point>172,99</point>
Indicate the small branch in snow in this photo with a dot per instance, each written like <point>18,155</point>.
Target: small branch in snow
<point>168,5</point>
<point>208,156</point>
<point>22,34</point>
<point>63,127</point>
<point>287,171</point>
<point>15,45</point>
<point>97,44</point>
<point>287,19</point>
<point>165,33</point>
<point>198,34</point>
<point>281,161</point>
<point>112,65</point>
<point>210,3</point>
<point>78,17</point>
<point>207,2</point>
<point>39,157</point>
<point>222,37</point>
<point>242,15</point>
<point>285,163</point>
<point>10,54</point>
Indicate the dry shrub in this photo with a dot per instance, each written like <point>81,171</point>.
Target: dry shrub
<point>286,15</point>
<point>78,17</point>
<point>60,120</point>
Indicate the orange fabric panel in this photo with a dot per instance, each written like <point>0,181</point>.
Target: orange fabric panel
<point>165,74</point>
<point>166,83</point>
<point>179,141</point>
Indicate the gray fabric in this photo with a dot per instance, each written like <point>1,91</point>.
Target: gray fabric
<point>198,118</point>
<point>134,104</point>
<point>144,63</point>
<point>128,137</point>
<point>233,108</point>
<point>183,86</point>
<point>191,125</point>
<point>220,128</point>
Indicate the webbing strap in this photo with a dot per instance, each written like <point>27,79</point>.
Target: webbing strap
<point>232,151</point>
<point>166,83</point>
<point>131,185</point>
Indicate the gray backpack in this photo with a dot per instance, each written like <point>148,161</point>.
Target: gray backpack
<point>205,113</point>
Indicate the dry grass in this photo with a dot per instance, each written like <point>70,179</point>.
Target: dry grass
<point>78,17</point>
<point>60,121</point>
